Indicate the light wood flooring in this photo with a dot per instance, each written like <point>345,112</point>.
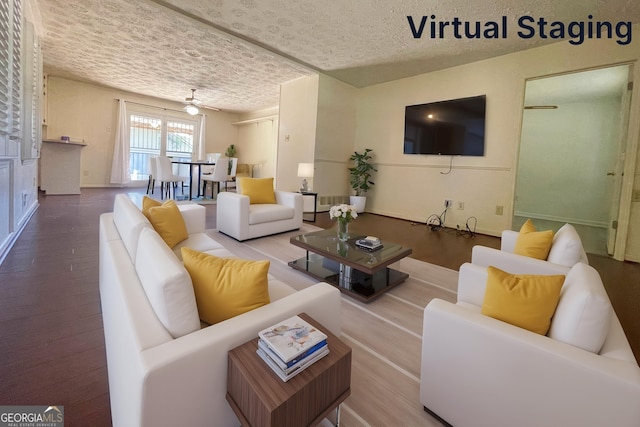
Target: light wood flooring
<point>51,338</point>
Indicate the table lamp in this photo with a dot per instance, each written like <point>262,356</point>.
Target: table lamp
<point>305,170</point>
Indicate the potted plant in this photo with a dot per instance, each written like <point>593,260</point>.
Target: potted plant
<point>231,152</point>
<point>360,175</point>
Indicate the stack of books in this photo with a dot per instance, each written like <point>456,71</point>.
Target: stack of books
<point>369,243</point>
<point>291,346</point>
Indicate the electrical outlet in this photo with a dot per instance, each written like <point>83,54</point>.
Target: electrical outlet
<point>499,209</point>
<point>448,203</point>
<point>460,206</point>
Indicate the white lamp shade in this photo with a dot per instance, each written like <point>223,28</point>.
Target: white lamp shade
<point>305,170</point>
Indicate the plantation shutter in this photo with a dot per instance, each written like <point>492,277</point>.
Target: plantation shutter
<point>5,71</point>
<point>16,83</point>
<point>10,77</point>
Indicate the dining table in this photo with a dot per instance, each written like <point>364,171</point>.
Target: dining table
<point>192,164</point>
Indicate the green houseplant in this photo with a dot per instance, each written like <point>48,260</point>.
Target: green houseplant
<point>231,152</point>
<point>360,177</point>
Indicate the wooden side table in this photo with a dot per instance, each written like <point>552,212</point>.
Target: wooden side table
<point>260,398</point>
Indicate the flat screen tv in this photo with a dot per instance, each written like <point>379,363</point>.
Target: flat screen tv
<point>452,128</point>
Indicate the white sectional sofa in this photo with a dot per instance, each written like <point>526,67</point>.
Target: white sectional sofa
<point>155,378</point>
<point>480,372</point>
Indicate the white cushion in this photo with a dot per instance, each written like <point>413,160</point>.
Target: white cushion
<point>167,285</point>
<point>566,248</point>
<point>584,311</point>
<point>129,221</point>
<point>198,242</point>
<point>259,214</point>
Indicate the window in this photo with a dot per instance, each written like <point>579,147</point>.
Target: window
<point>151,135</point>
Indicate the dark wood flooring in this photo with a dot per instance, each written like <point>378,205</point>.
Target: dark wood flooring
<point>51,339</point>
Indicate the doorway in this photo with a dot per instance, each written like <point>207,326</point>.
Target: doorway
<point>571,155</point>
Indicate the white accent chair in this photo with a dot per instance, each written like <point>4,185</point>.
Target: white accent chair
<point>566,250</point>
<point>167,178</point>
<point>478,371</point>
<point>218,176</point>
<point>237,218</point>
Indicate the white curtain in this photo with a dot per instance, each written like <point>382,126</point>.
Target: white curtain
<point>120,165</point>
<point>201,147</point>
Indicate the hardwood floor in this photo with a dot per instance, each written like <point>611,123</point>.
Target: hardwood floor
<point>51,338</point>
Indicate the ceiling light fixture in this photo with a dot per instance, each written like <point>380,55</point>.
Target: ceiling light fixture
<point>192,109</point>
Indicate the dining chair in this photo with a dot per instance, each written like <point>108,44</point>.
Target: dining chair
<point>166,176</point>
<point>220,173</point>
<point>153,173</point>
<point>212,157</point>
<point>231,177</point>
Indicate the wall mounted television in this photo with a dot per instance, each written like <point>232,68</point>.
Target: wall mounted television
<point>452,128</point>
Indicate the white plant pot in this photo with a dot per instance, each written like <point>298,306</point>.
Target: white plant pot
<point>359,202</point>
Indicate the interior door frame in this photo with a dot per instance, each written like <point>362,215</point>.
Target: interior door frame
<point>631,152</point>
<point>629,169</point>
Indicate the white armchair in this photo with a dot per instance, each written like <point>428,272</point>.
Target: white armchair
<point>478,371</point>
<point>237,218</point>
<point>566,250</point>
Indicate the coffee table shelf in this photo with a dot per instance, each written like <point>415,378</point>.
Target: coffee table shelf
<point>361,274</point>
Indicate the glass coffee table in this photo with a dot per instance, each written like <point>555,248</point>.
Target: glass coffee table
<point>360,273</point>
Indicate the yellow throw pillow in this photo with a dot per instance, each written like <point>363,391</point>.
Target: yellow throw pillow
<point>148,202</point>
<point>532,243</point>
<point>226,287</point>
<point>524,300</point>
<point>259,190</point>
<point>168,222</point>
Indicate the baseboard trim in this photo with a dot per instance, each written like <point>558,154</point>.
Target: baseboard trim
<point>11,240</point>
<point>436,416</point>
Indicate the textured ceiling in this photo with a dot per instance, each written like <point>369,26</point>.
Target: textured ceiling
<point>236,53</point>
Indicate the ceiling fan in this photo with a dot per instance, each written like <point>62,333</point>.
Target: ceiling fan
<point>192,103</point>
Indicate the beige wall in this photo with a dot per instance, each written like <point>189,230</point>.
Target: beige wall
<point>335,136</point>
<point>296,130</point>
<point>88,112</point>
<point>258,141</point>
<point>414,186</point>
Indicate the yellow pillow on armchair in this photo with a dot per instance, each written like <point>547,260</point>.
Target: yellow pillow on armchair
<point>259,190</point>
<point>532,243</point>
<point>524,300</point>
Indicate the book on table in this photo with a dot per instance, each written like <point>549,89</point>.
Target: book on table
<point>286,375</point>
<point>291,346</point>
<point>291,338</point>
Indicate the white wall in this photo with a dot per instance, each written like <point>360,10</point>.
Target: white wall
<point>297,130</point>
<point>18,183</point>
<point>413,186</point>
<point>87,111</point>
